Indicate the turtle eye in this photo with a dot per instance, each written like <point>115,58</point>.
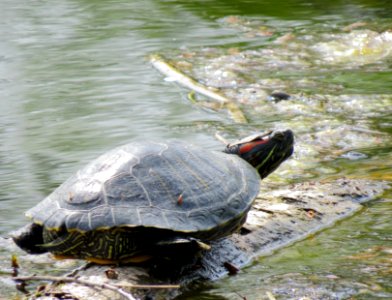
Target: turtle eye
<point>279,135</point>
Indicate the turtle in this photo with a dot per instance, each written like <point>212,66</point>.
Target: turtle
<point>141,196</point>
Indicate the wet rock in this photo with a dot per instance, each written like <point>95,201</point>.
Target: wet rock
<point>279,96</point>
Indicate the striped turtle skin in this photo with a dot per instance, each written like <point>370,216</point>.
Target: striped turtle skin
<point>137,197</point>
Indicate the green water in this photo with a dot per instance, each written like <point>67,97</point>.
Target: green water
<point>75,81</point>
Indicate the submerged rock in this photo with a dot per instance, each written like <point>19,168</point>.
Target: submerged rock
<point>357,47</point>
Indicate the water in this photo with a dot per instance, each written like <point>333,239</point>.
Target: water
<point>75,81</point>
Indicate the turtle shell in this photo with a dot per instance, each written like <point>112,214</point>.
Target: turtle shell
<point>172,186</point>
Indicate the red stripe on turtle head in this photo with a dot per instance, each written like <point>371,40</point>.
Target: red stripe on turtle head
<point>249,146</point>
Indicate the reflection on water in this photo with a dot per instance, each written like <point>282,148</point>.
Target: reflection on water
<point>75,82</point>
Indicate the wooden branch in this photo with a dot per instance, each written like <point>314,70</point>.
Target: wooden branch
<point>113,287</point>
<point>220,138</point>
<point>177,76</point>
<point>87,283</point>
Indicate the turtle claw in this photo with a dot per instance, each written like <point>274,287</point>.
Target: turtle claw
<point>203,246</point>
<point>177,241</point>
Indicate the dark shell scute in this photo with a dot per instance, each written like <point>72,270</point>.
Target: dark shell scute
<point>78,220</point>
<point>73,219</point>
<point>56,220</point>
<point>159,182</point>
<point>124,216</point>
<point>152,217</point>
<point>179,221</point>
<point>202,218</point>
<point>98,214</point>
<point>125,190</point>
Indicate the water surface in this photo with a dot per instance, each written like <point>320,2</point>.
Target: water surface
<point>75,81</point>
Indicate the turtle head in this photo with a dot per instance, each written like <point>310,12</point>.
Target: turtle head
<point>265,151</point>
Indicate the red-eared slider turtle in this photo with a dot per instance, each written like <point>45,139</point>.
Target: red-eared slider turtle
<point>141,195</point>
